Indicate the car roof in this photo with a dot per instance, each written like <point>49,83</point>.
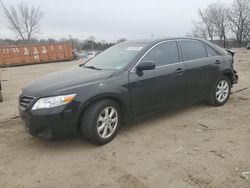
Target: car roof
<point>149,43</point>
<point>153,41</point>
<point>156,40</point>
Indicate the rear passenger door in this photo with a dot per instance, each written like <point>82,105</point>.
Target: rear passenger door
<point>202,67</point>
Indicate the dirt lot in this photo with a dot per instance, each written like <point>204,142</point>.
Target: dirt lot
<point>196,146</point>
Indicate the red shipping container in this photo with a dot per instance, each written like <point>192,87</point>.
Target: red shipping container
<point>29,54</point>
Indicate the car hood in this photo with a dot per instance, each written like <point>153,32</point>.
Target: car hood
<point>64,79</point>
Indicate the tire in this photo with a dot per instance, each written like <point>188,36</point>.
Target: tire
<point>95,117</point>
<point>220,92</point>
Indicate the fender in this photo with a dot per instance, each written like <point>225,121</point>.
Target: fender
<point>232,74</point>
<point>123,101</point>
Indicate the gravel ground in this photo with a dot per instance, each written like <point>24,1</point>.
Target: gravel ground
<point>195,146</point>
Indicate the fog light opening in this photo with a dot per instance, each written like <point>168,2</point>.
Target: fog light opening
<point>45,133</point>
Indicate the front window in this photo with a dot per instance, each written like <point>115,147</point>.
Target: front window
<point>116,57</point>
<point>165,53</point>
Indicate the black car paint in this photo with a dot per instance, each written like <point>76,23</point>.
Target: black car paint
<point>156,89</point>
<point>137,94</point>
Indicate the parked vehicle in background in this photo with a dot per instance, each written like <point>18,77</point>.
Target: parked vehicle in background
<point>91,54</point>
<point>127,81</point>
<point>84,54</point>
<point>75,55</point>
<point>248,46</point>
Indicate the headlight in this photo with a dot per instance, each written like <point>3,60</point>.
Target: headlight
<point>51,102</point>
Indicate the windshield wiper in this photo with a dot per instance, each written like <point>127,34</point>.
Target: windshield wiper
<point>92,67</point>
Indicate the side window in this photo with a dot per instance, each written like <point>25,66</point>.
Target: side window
<point>163,54</point>
<point>210,51</point>
<point>192,50</point>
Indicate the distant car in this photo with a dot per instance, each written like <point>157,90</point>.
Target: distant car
<point>248,46</point>
<point>126,81</point>
<point>91,55</point>
<point>75,55</point>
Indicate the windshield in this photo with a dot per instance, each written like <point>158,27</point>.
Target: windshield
<point>116,57</point>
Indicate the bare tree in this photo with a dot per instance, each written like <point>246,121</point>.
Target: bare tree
<point>213,23</point>
<point>247,33</point>
<point>206,23</point>
<point>75,43</point>
<point>218,14</point>
<point>91,41</point>
<point>239,17</point>
<point>23,19</point>
<point>200,30</point>
<point>104,42</point>
<point>121,40</point>
<point>91,38</point>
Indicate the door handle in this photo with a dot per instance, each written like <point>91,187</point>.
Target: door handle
<point>217,62</point>
<point>179,71</point>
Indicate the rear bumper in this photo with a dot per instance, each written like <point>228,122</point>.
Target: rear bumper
<point>50,124</point>
<point>235,77</point>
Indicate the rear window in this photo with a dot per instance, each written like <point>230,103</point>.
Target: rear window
<point>210,51</point>
<point>192,50</point>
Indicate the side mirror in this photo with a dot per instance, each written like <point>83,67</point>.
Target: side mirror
<point>148,65</point>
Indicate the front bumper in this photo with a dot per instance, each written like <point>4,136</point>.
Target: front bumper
<point>50,124</point>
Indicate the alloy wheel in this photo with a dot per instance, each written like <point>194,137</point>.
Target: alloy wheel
<point>222,91</point>
<point>107,122</point>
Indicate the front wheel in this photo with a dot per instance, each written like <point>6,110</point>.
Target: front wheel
<point>220,92</point>
<point>101,121</point>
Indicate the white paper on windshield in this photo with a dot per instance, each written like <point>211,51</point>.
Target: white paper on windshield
<point>134,48</point>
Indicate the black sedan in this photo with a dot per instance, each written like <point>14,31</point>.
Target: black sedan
<point>127,81</point>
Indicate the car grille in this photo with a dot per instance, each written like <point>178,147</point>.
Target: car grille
<point>25,101</point>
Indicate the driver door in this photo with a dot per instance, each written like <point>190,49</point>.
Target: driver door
<point>161,87</point>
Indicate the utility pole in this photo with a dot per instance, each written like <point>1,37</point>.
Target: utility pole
<point>1,95</point>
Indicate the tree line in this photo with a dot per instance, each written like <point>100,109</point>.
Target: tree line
<point>91,44</point>
<point>224,22</point>
<point>88,44</point>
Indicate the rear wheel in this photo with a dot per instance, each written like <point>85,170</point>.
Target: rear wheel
<point>101,121</point>
<point>221,91</point>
